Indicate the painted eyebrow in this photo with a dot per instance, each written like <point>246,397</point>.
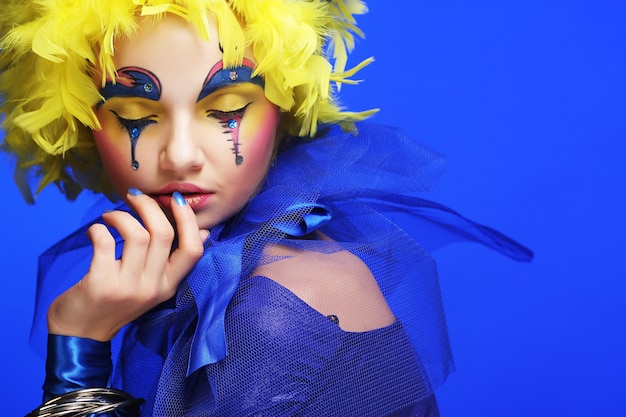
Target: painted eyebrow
<point>220,77</point>
<point>132,82</point>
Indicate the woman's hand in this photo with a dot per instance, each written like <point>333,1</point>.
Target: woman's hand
<point>115,292</point>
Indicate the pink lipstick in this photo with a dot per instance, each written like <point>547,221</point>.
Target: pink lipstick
<point>196,197</point>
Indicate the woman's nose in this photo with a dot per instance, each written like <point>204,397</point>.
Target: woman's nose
<point>180,152</point>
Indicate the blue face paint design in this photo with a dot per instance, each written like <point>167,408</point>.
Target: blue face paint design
<point>134,128</point>
<point>133,82</point>
<point>221,77</point>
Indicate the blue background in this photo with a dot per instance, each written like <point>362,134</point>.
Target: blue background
<point>528,101</point>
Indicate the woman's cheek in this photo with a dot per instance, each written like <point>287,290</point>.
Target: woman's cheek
<point>114,160</point>
<point>262,135</point>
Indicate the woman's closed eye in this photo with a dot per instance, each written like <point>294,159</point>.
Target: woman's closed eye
<point>135,126</point>
<point>223,116</point>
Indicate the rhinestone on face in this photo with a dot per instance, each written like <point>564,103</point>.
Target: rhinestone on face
<point>233,75</point>
<point>147,88</point>
<point>134,133</point>
<point>239,160</point>
<point>232,124</point>
<point>135,165</point>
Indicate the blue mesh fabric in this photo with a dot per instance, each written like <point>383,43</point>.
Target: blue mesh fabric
<point>234,344</point>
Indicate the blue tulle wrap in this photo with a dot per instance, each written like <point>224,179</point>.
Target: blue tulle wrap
<point>346,184</point>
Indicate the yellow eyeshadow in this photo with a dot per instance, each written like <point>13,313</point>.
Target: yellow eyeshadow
<point>231,98</point>
<point>225,105</point>
<point>133,108</point>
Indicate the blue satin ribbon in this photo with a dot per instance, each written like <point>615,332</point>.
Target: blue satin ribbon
<point>74,363</point>
<point>311,217</point>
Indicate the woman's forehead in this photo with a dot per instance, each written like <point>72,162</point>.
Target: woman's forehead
<point>170,51</point>
<point>166,35</point>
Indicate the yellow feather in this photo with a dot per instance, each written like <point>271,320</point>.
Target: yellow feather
<point>49,49</point>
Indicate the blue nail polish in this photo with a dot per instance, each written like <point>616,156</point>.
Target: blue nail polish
<point>134,191</point>
<point>179,199</point>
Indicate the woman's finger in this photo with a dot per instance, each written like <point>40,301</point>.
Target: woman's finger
<point>190,242</point>
<point>164,270</point>
<point>136,242</point>
<point>158,234</point>
<point>103,248</point>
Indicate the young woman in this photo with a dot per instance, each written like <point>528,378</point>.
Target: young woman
<point>248,270</point>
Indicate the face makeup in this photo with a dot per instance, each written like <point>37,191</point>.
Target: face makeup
<point>193,125</point>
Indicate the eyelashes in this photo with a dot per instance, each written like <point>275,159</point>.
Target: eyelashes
<point>229,120</point>
<point>225,115</point>
<point>134,126</point>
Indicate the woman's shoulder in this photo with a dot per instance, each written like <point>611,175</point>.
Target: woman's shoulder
<point>335,283</point>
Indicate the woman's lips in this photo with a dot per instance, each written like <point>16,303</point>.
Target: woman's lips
<point>195,196</point>
<point>195,200</point>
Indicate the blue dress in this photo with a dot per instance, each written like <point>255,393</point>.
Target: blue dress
<point>232,343</point>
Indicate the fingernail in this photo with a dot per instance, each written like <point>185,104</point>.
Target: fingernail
<point>134,191</point>
<point>179,199</point>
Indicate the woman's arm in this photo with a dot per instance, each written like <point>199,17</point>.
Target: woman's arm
<point>83,320</point>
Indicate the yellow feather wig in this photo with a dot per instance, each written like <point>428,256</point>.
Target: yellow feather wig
<point>50,48</point>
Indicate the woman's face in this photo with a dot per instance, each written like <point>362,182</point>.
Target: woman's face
<point>175,120</point>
